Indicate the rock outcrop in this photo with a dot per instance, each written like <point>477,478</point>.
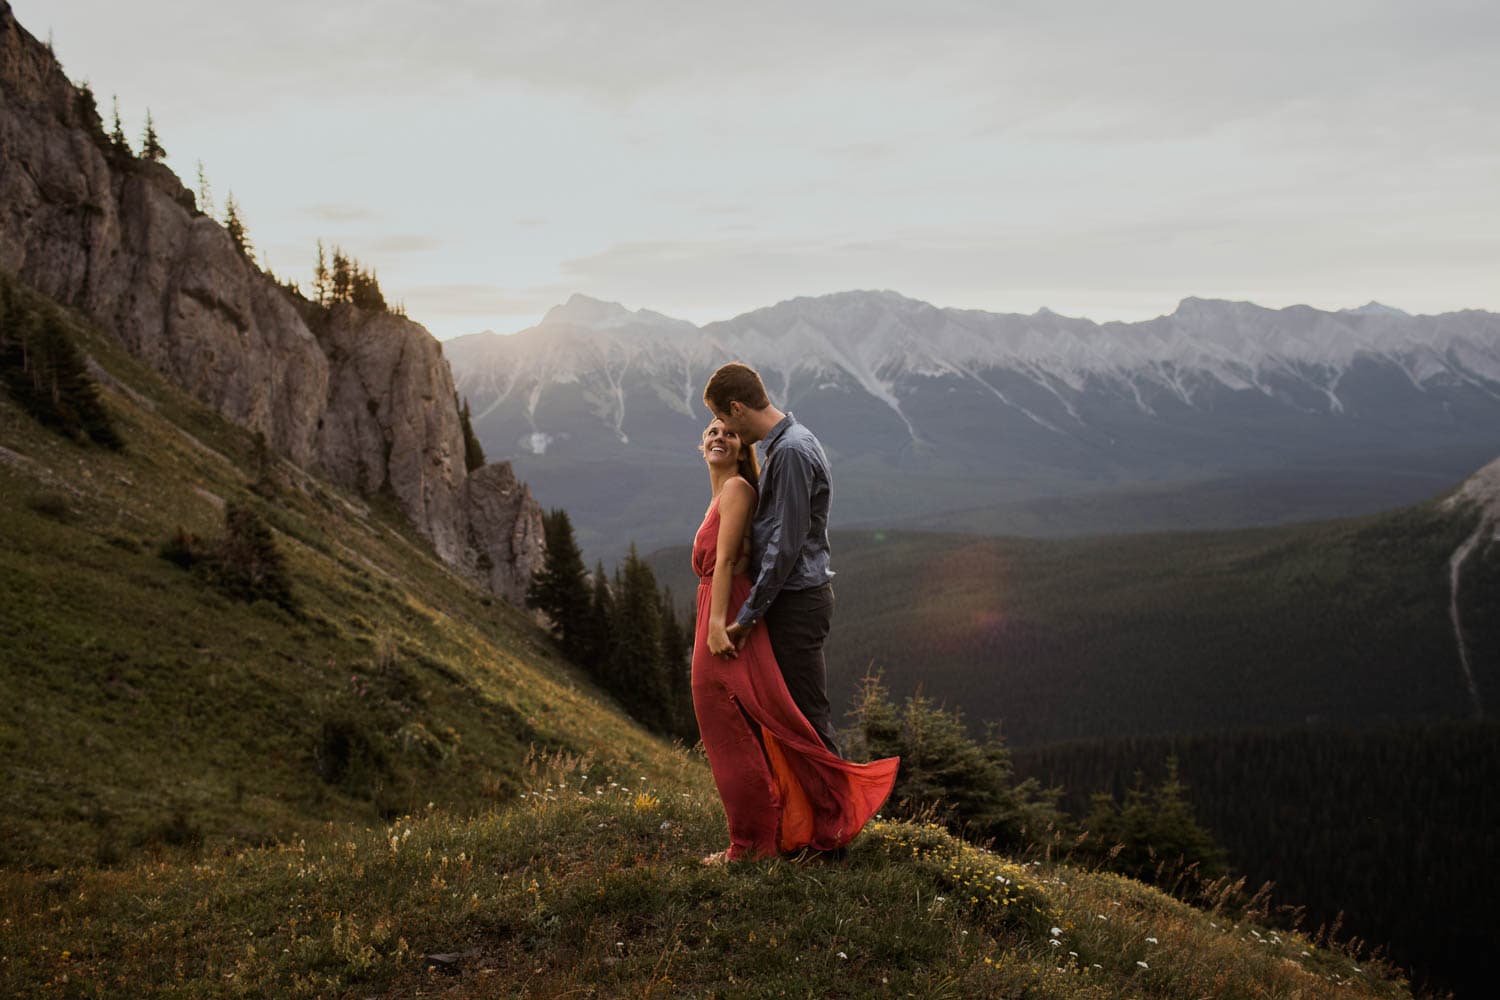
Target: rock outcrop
<point>1482,491</point>
<point>363,398</point>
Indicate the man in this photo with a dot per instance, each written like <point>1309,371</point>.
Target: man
<point>789,553</point>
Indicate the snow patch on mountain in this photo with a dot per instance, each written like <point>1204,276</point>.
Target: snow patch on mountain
<point>886,345</point>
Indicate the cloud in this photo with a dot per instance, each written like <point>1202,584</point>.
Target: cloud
<point>340,213</point>
<point>401,244</point>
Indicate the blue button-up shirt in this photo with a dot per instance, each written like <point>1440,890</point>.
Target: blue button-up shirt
<point>789,533</point>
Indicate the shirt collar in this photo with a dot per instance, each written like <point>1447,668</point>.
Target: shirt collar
<point>778,430</point>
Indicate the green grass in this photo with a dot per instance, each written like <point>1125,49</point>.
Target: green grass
<point>146,710</point>
<point>590,886</point>
<point>203,797</point>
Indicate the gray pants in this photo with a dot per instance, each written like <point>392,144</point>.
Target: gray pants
<point>797,623</point>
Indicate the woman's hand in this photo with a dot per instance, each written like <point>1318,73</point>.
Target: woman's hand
<point>719,642</point>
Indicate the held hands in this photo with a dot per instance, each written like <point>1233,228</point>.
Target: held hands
<point>727,642</point>
<point>738,634</point>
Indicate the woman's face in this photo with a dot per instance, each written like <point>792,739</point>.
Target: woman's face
<point>721,446</point>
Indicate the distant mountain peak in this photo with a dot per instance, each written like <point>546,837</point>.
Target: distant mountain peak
<point>1373,308</point>
<point>597,314</point>
<point>1195,306</point>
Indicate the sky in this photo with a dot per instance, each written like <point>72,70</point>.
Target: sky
<point>490,158</point>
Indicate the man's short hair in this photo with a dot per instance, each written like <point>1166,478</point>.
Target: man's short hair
<point>735,381</point>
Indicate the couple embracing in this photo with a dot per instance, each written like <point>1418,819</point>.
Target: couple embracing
<point>765,604</point>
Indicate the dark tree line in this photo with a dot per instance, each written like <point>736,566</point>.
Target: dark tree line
<point>1395,828</point>
<point>971,786</point>
<point>341,279</point>
<point>344,279</point>
<point>624,631</point>
<point>45,372</point>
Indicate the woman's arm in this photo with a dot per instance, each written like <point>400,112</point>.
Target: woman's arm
<point>735,505</point>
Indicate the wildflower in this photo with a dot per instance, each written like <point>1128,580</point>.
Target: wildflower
<point>1055,943</point>
<point>1150,940</point>
<point>842,955</point>
<point>1057,932</point>
<point>1143,965</point>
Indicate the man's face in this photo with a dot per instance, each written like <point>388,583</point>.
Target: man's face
<point>734,419</point>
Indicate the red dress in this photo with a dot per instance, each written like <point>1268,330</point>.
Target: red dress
<point>782,789</point>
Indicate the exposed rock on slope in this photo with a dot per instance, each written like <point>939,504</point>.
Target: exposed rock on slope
<point>1482,489</point>
<point>367,401</point>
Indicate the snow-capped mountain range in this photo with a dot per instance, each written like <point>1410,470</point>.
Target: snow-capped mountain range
<point>926,411</point>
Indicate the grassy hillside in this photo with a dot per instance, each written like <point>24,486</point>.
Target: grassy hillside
<point>206,797</point>
<point>1306,675</point>
<point>591,888</point>
<point>147,709</point>
<point>1336,622</point>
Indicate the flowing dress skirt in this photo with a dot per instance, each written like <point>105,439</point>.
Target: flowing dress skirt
<point>782,789</point>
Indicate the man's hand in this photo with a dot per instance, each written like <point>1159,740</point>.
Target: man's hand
<point>738,633</point>
<point>720,643</point>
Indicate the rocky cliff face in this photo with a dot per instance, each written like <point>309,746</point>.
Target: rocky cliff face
<point>367,401</point>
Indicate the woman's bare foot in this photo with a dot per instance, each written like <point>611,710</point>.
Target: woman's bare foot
<point>718,859</point>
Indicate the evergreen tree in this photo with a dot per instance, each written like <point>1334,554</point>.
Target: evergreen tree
<point>150,145</point>
<point>1152,836</point>
<point>342,278</point>
<point>47,374</point>
<point>597,641</point>
<point>676,647</point>
<point>248,564</point>
<point>364,290</point>
<point>969,784</point>
<point>558,589</point>
<point>236,227</point>
<point>473,451</point>
<point>639,680</point>
<point>321,280</point>
<point>205,193</point>
<point>117,132</point>
<point>86,111</point>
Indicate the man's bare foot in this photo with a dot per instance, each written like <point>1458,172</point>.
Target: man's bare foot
<point>718,859</point>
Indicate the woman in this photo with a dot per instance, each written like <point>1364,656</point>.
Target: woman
<point>782,789</point>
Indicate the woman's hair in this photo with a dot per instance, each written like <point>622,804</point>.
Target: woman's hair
<point>748,465</point>
<point>735,381</point>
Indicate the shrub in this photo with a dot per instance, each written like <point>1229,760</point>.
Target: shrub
<point>966,784</point>
<point>248,564</point>
<point>45,372</point>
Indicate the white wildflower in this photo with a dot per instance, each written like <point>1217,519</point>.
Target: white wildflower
<point>1152,941</point>
<point>1143,965</point>
<point>1057,932</point>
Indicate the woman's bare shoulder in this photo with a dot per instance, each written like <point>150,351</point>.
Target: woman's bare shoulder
<point>741,484</point>
<point>737,494</point>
